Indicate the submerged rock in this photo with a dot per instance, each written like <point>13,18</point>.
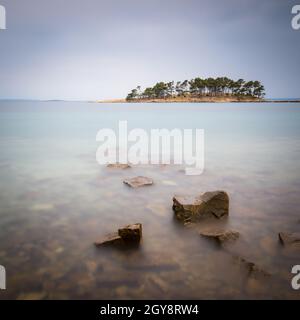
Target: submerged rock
<point>290,239</point>
<point>128,235</point>
<point>152,263</point>
<point>158,282</point>
<point>252,269</point>
<point>32,296</point>
<point>191,208</point>
<point>221,236</point>
<point>139,181</point>
<point>119,166</point>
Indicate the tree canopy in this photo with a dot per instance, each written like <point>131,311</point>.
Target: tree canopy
<point>198,87</point>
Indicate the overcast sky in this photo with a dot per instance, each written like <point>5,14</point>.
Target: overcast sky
<point>98,49</point>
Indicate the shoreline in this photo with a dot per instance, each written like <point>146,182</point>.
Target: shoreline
<point>200,100</point>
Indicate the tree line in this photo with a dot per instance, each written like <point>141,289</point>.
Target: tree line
<point>199,87</point>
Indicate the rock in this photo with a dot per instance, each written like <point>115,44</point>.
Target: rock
<point>32,296</point>
<point>290,239</point>
<point>131,233</point>
<point>188,224</point>
<point>159,283</point>
<point>252,269</point>
<point>137,182</point>
<point>256,288</point>
<point>127,235</point>
<point>91,266</point>
<point>191,208</point>
<point>122,291</point>
<point>221,236</point>
<point>119,166</point>
<point>269,245</point>
<point>59,250</point>
<point>110,239</point>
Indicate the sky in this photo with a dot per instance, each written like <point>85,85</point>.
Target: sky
<point>101,49</point>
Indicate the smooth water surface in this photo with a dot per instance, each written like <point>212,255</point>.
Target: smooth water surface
<point>55,201</point>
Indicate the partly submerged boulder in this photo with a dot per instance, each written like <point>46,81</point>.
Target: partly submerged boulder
<point>222,236</point>
<point>290,239</point>
<point>138,182</point>
<point>110,239</point>
<point>131,233</point>
<point>128,235</point>
<point>192,208</point>
<point>118,166</point>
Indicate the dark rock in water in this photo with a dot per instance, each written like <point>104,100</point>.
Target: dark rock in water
<point>191,208</point>
<point>138,182</point>
<point>119,166</point>
<point>126,236</point>
<point>110,239</point>
<point>221,236</point>
<point>132,232</point>
<point>252,269</point>
<point>290,239</point>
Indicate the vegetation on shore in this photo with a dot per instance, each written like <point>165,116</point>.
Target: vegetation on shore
<point>200,89</point>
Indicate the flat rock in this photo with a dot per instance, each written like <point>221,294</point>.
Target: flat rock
<point>290,239</point>
<point>119,166</point>
<point>128,235</point>
<point>132,232</point>
<point>139,181</point>
<point>110,239</point>
<point>221,236</point>
<point>191,208</point>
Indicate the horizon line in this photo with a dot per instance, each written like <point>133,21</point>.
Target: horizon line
<point>95,100</point>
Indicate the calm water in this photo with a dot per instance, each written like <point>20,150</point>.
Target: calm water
<point>55,201</point>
